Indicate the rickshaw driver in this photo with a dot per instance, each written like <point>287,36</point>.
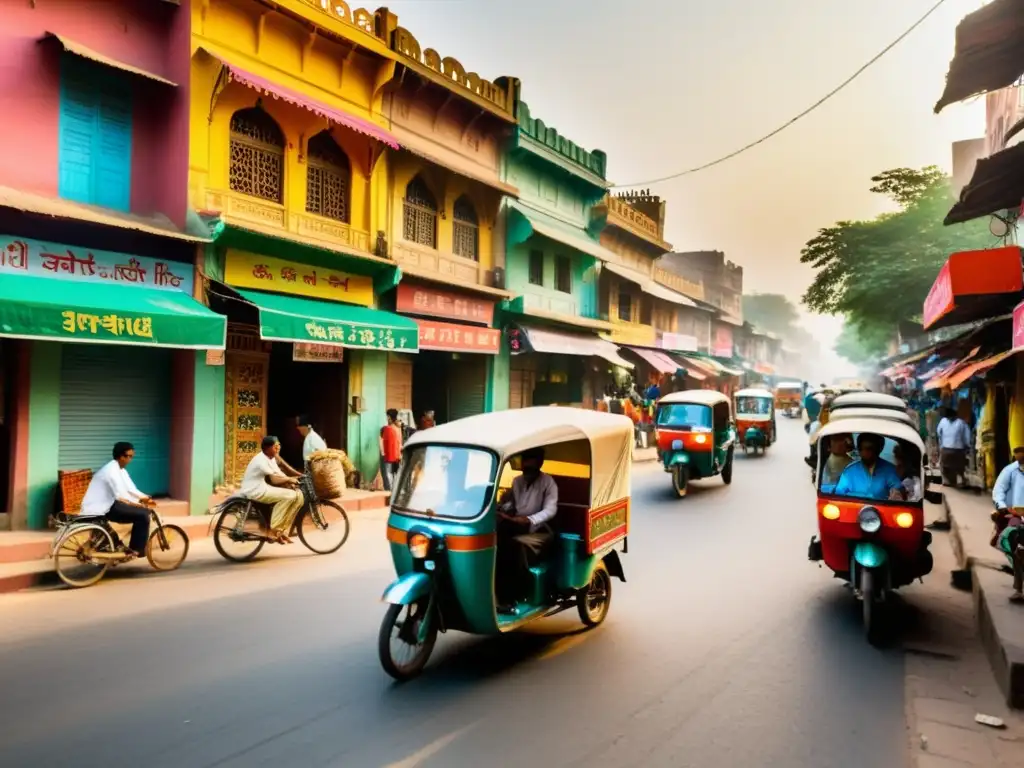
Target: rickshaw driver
<point>531,504</point>
<point>870,477</point>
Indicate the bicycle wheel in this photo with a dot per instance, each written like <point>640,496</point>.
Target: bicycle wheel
<point>73,558</point>
<point>235,542</point>
<point>324,528</point>
<point>167,548</point>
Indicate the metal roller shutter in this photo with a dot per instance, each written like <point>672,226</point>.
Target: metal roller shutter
<point>467,387</point>
<point>112,393</point>
<point>399,386</point>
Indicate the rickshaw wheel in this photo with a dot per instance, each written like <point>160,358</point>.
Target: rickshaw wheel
<point>870,607</point>
<point>680,480</point>
<point>392,629</point>
<point>594,600</point>
<point>727,469</point>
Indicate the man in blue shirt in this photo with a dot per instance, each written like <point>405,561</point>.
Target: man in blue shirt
<point>1008,495</point>
<point>871,477</point>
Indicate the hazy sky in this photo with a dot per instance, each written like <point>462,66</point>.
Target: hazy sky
<point>663,85</point>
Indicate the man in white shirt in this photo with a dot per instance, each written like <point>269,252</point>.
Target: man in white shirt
<point>269,479</point>
<point>312,442</point>
<point>523,516</point>
<point>113,495</point>
<point>954,442</point>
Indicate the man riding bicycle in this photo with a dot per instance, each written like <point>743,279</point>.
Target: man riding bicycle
<point>270,480</point>
<point>113,495</point>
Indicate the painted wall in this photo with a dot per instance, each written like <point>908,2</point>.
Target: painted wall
<point>498,380</point>
<point>44,432</point>
<point>152,36</point>
<point>279,49</point>
<point>207,449</point>
<point>367,379</point>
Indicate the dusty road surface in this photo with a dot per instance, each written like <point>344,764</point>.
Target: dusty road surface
<point>726,647</point>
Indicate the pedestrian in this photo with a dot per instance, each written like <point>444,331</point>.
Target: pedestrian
<point>112,494</point>
<point>1008,495</point>
<point>954,442</point>
<point>311,441</point>
<point>390,448</point>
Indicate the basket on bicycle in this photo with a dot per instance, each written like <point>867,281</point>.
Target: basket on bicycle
<point>328,469</point>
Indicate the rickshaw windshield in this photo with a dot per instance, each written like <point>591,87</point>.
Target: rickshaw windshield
<point>756,405</point>
<point>445,481</point>
<point>684,415</point>
<point>870,467</point>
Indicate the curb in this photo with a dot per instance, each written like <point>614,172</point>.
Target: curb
<point>992,613</point>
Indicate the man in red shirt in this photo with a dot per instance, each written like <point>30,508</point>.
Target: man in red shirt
<point>390,448</point>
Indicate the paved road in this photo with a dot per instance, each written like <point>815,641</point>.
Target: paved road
<point>725,648</point>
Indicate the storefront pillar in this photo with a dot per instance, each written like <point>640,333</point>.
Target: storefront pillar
<point>43,432</point>
<point>207,448</point>
<point>1016,420</point>
<point>368,382</point>
<point>498,374</point>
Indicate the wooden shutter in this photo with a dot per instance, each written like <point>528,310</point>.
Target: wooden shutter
<point>399,386</point>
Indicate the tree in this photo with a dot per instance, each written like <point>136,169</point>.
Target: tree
<point>770,312</point>
<point>862,345</point>
<point>878,272</point>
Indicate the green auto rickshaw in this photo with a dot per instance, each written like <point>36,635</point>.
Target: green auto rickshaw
<point>449,518</point>
<point>696,436</point>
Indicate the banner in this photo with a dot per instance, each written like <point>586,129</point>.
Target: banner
<point>264,273</point>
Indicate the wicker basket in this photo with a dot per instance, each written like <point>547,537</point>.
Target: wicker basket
<point>329,469</point>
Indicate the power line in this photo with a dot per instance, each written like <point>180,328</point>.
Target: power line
<point>796,118</point>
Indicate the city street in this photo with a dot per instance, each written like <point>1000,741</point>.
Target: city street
<point>726,647</point>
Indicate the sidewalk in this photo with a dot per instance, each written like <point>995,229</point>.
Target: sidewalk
<point>1000,623</point>
<point>24,555</point>
<point>644,454</point>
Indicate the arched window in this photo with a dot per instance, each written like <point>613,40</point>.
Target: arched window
<point>466,230</point>
<point>257,155</point>
<point>328,178</point>
<point>420,214</point>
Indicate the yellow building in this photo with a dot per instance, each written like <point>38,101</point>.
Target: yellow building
<point>289,168</point>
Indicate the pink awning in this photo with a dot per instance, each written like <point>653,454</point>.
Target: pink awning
<point>278,91</point>
<point>656,360</point>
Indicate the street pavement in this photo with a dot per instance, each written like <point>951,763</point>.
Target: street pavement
<point>725,647</point>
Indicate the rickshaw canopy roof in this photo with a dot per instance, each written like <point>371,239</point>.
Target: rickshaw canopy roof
<point>790,385</point>
<point>754,392</point>
<point>844,414</point>
<point>709,397</point>
<point>868,400</point>
<point>885,427</point>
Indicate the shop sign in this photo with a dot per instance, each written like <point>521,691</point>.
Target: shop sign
<point>282,327</point>
<point>264,273</point>
<point>632,335</point>
<point>417,300</point>
<point>677,342</point>
<point>722,344</point>
<point>940,297</point>
<point>1018,327</point>
<point>20,255</point>
<point>317,353</point>
<point>450,337</point>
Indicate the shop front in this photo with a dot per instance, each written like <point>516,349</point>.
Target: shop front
<point>303,340</point>
<point>450,376</point>
<point>974,285</point>
<point>100,347</point>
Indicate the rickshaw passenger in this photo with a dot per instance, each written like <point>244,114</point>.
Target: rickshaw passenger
<point>523,516</point>
<point>870,477</point>
<point>838,460</point>
<point>911,482</point>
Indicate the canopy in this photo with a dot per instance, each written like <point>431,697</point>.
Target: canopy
<point>696,396</point>
<point>976,368</point>
<point>513,431</point>
<point>974,285</point>
<point>790,385</point>
<point>525,221</point>
<point>85,52</point>
<point>754,392</point>
<point>333,114</point>
<point>868,400</point>
<point>887,427</point>
<point>692,370</point>
<point>558,343</point>
<point>996,185</point>
<point>873,413</point>
<point>288,318</point>
<point>648,286</point>
<point>659,361</point>
<point>54,309</point>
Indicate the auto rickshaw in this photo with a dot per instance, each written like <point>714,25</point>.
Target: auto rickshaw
<point>872,537</point>
<point>789,398</point>
<point>695,436</point>
<point>869,400</point>
<point>755,419</point>
<point>444,521</point>
<point>872,413</point>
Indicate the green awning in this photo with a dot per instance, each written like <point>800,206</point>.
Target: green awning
<point>288,318</point>
<point>105,313</point>
<point>525,221</point>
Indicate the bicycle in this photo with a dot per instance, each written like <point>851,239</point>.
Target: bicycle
<point>321,525</point>
<point>91,545</point>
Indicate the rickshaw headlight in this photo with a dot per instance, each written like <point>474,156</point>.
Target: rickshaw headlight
<point>419,546</point>
<point>830,512</point>
<point>700,439</point>
<point>870,520</point>
<point>904,519</point>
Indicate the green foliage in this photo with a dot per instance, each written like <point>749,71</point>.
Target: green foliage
<point>862,345</point>
<point>878,272</point>
<point>770,312</point>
